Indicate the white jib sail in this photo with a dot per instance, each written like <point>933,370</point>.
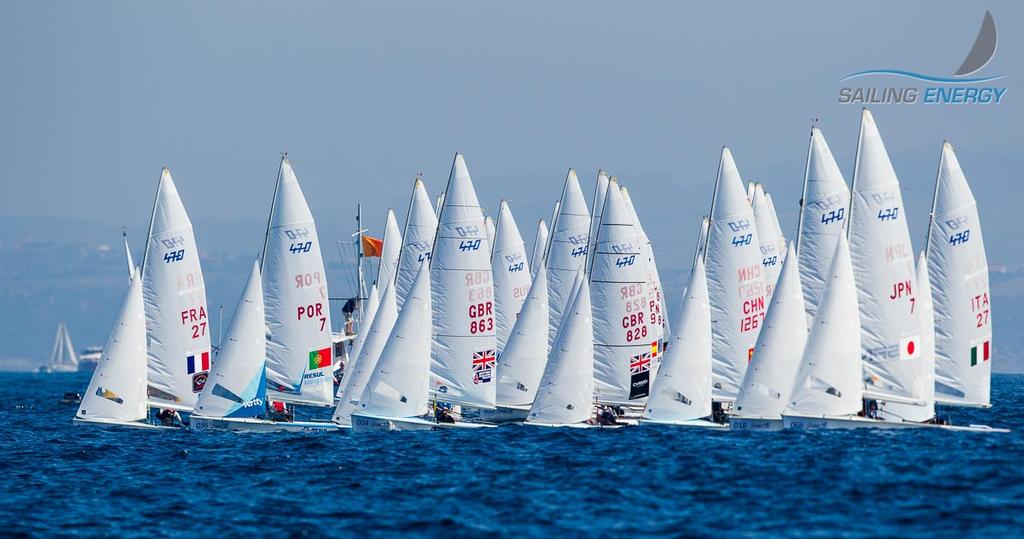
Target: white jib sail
<point>117,391</point>
<point>400,383</point>
<point>418,239</point>
<point>927,314</point>
<point>128,256</point>
<point>489,227</point>
<point>511,274</point>
<point>625,343</point>
<point>772,246</point>
<point>600,191</point>
<point>884,269</point>
<point>780,346</point>
<point>237,386</point>
<point>390,252</point>
<point>958,270</point>
<point>372,306</point>
<point>522,362</point>
<point>299,349</point>
<point>655,293</point>
<point>540,245</point>
<point>702,239</point>
<point>178,333</point>
<point>567,386</point>
<point>779,235</point>
<point>682,390</point>
<point>358,373</point>
<point>826,200</point>
<point>735,280</point>
<point>465,346</point>
<point>828,382</point>
<point>567,249</point>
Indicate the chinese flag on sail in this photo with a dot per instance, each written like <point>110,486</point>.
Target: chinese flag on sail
<point>372,247</point>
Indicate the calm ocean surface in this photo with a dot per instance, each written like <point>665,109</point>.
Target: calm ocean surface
<point>60,479</point>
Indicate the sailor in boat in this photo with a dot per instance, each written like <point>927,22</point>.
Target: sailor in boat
<point>606,416</point>
<point>169,417</point>
<point>349,311</point>
<point>443,414</point>
<point>279,411</point>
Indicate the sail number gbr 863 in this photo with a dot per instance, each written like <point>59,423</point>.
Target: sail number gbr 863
<point>481,304</point>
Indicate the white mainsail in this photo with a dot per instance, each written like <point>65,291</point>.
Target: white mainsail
<point>780,346</point>
<point>128,256</point>
<point>772,245</point>
<point>174,292</point>
<point>418,239</point>
<point>63,357</point>
<point>540,245</point>
<point>702,240</point>
<point>399,385</point>
<point>655,293</point>
<point>567,249</point>
<point>358,373</point>
<point>828,382</point>
<point>625,344</point>
<point>958,269</point>
<point>390,252</point>
<point>823,212</point>
<point>567,386</point>
<point>600,191</point>
<point>682,390</point>
<point>372,306</point>
<point>511,274</point>
<point>465,345</point>
<point>735,280</point>
<point>299,349</point>
<point>894,366</point>
<point>117,391</point>
<point>237,386</point>
<point>522,362</point>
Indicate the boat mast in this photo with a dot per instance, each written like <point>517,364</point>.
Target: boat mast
<point>714,197</point>
<point>856,165</point>
<point>554,218</point>
<point>270,217</point>
<point>803,192</point>
<point>360,255</point>
<point>405,229</point>
<point>152,217</point>
<point>935,199</point>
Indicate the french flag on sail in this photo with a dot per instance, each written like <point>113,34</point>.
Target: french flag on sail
<point>198,362</point>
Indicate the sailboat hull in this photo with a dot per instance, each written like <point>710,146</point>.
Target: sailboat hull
<point>129,424</point>
<point>362,423</point>
<point>573,425</point>
<point>246,424</point>
<point>797,422</point>
<point>498,416</point>
<point>759,424</point>
<point>693,423</point>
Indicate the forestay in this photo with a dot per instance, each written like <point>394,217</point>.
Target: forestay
<point>358,373</point>
<point>735,280</point>
<point>567,387</point>
<point>625,344</point>
<point>567,249</point>
<point>418,239</point>
<point>299,349</point>
<point>826,201</point>
<point>174,293</point>
<point>883,259</point>
<point>511,274</point>
<point>958,269</point>
<point>522,362</point>
<point>117,391</point>
<point>464,340</point>
<point>780,345</point>
<point>237,386</point>
<point>828,382</point>
<point>682,390</point>
<point>390,252</point>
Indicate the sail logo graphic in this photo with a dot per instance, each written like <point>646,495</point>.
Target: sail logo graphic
<point>833,216</point>
<point>174,256</point>
<point>960,237</point>
<point>469,245</point>
<point>579,251</point>
<point>959,89</point>
<point>301,247</point>
<point>742,240</point>
<point>889,214</point>
<point>624,261</point>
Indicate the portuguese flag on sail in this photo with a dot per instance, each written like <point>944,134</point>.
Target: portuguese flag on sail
<point>319,359</point>
<point>981,351</point>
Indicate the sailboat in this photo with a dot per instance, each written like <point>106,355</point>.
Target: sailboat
<point>372,306</point>
<point>681,394</point>
<point>117,391</point>
<point>625,344</point>
<point>567,249</point>
<point>358,374</point>
<point>565,396</point>
<point>823,211</point>
<point>958,268</point>
<point>895,371</point>
<point>769,378</point>
<point>299,348</point>
<point>772,244</point>
<point>63,357</point>
<point>235,395</point>
<point>417,239</point>
<point>540,246</point>
<point>464,341</point>
<point>735,280</point>
<point>511,274</point>
<point>174,295</point>
<point>655,292</point>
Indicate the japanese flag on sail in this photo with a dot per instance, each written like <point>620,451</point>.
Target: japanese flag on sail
<point>910,347</point>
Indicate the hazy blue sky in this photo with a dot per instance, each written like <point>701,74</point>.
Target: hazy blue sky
<point>97,96</point>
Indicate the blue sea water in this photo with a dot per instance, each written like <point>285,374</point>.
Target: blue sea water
<point>60,479</point>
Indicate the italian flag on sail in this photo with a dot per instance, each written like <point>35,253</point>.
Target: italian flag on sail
<point>983,349</point>
<point>319,359</point>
